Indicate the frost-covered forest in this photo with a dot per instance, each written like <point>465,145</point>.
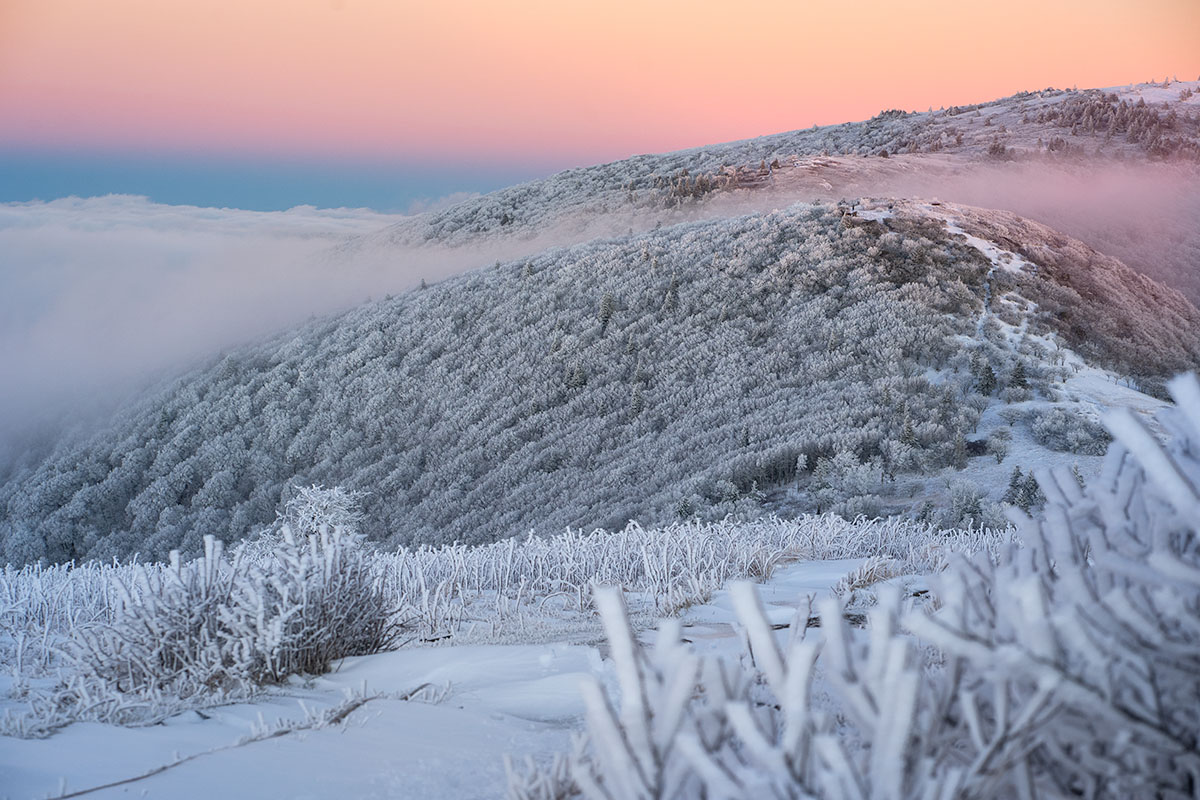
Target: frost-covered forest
<point>679,373</point>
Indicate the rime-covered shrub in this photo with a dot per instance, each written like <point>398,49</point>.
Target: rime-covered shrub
<point>315,508</point>
<point>1067,431</point>
<point>845,486</point>
<point>999,444</point>
<point>968,507</point>
<point>217,626</point>
<point>1066,667</point>
<point>323,598</point>
<point>169,633</point>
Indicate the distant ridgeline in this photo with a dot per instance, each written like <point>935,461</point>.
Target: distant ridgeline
<point>1138,147</point>
<point>672,374</point>
<point>1050,126</point>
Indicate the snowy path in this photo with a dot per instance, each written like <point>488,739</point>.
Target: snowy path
<point>497,699</point>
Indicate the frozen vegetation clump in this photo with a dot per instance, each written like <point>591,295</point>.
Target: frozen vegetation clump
<point>195,633</point>
<point>969,508</point>
<point>1064,667</point>
<point>1068,431</point>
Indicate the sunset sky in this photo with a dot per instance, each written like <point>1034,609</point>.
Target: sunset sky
<point>271,104</point>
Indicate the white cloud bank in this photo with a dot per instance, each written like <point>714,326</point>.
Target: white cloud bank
<point>98,294</point>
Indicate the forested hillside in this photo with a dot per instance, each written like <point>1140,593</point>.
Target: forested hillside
<point>673,374</point>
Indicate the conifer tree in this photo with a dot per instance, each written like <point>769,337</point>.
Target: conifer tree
<point>1018,379</point>
<point>1016,483</point>
<point>608,306</point>
<point>636,401</point>
<point>986,380</point>
<point>1031,494</point>
<point>960,451</point>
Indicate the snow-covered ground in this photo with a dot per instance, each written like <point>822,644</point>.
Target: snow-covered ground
<point>468,707</point>
<point>1086,389</point>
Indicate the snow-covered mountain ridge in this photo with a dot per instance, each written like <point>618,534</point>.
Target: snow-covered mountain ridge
<point>681,372</point>
<point>1135,122</point>
<point>1117,168</point>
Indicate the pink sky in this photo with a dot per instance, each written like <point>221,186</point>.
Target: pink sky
<point>547,80</point>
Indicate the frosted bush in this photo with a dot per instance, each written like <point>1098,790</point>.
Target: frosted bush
<point>167,633</point>
<point>863,505</point>
<point>1064,430</point>
<point>846,486</point>
<point>321,599</point>
<point>970,508</point>
<point>220,627</point>
<point>315,508</point>
<point>194,633</point>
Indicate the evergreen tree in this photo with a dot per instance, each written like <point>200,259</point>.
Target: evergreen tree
<point>1018,379</point>
<point>976,363</point>
<point>1016,483</point>
<point>986,380</point>
<point>608,306</point>
<point>959,458</point>
<point>1031,494</point>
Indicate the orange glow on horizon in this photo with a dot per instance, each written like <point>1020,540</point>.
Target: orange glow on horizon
<point>570,80</point>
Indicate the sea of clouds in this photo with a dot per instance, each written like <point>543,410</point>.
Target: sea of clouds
<point>99,295</point>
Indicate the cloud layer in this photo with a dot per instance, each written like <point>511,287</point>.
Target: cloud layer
<point>97,295</point>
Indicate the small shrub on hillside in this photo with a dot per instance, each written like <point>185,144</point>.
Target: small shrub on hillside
<point>842,483</point>
<point>969,508</point>
<point>998,444</point>
<point>1016,394</point>
<point>1066,431</point>
<point>215,627</point>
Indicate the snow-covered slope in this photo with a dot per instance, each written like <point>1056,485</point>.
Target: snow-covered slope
<point>680,372</point>
<point>1134,122</point>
